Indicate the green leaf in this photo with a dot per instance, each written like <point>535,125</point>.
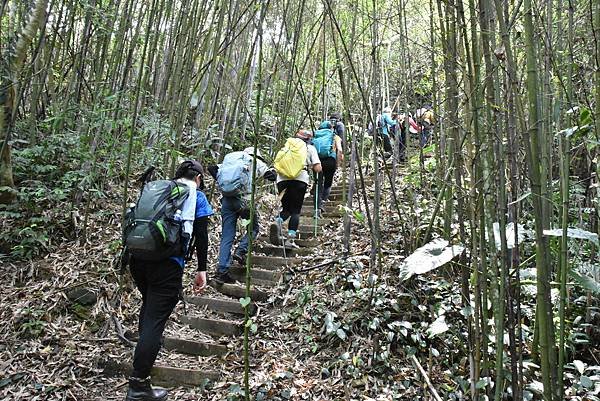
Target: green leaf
<point>585,117</point>
<point>359,216</point>
<point>576,233</point>
<point>269,137</point>
<point>439,326</point>
<point>248,323</point>
<point>245,222</point>
<point>480,384</point>
<point>245,302</point>
<point>580,366</point>
<point>435,254</point>
<point>341,334</point>
<point>586,382</point>
<point>586,282</point>
<point>253,328</point>
<point>520,198</point>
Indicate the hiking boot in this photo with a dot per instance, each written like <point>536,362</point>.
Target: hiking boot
<point>325,195</point>
<point>239,257</point>
<point>290,243</point>
<point>141,390</point>
<point>225,278</point>
<point>275,233</point>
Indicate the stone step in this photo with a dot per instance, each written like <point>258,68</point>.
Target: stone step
<point>329,215</point>
<point>308,243</point>
<point>238,291</point>
<point>214,327</point>
<point>276,250</point>
<point>197,348</point>
<point>220,305</point>
<point>309,220</point>
<point>309,204</point>
<point>306,232</point>
<point>240,276</point>
<point>273,262</point>
<point>161,375</point>
<point>256,273</point>
<point>333,197</point>
<point>169,376</point>
<point>329,208</point>
<point>336,196</point>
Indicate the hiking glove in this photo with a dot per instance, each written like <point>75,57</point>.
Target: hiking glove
<point>270,175</point>
<point>213,170</point>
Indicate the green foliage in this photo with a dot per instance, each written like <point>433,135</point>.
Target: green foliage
<point>363,307</point>
<point>31,323</point>
<point>48,175</point>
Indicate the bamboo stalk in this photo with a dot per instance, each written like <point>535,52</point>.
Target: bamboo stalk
<point>432,389</point>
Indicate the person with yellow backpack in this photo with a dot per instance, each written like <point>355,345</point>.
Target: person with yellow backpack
<point>292,163</point>
<point>426,120</point>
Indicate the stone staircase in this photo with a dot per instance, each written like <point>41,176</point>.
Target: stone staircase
<point>211,318</point>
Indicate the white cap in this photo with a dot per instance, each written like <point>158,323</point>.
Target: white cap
<point>250,151</point>
<point>387,109</point>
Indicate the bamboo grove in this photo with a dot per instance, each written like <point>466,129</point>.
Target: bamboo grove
<point>515,86</point>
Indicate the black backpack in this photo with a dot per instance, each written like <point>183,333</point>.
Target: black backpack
<point>153,228</point>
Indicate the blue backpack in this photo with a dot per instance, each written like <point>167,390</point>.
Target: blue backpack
<point>323,140</point>
<point>234,177</point>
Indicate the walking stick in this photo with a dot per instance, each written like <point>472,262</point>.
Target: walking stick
<point>317,202</point>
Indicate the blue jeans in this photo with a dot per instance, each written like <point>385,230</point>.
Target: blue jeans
<point>231,208</point>
<point>425,133</point>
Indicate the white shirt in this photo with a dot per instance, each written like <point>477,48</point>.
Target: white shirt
<point>312,158</point>
<point>188,211</point>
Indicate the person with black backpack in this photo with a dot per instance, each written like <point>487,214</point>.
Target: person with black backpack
<point>329,148</point>
<point>338,126</point>
<point>234,179</point>
<point>156,233</point>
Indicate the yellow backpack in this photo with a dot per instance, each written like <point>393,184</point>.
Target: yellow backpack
<point>428,117</point>
<point>291,159</point>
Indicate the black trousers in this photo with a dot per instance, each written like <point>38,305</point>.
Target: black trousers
<point>325,179</point>
<point>402,145</point>
<point>387,145</point>
<point>160,284</point>
<point>291,203</point>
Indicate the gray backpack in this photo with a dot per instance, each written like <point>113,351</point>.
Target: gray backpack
<point>152,230</point>
<point>234,177</point>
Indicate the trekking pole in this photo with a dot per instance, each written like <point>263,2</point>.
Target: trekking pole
<point>280,232</point>
<point>317,204</point>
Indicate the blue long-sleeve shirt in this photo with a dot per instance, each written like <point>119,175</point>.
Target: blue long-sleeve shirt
<point>202,209</point>
<point>387,123</point>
